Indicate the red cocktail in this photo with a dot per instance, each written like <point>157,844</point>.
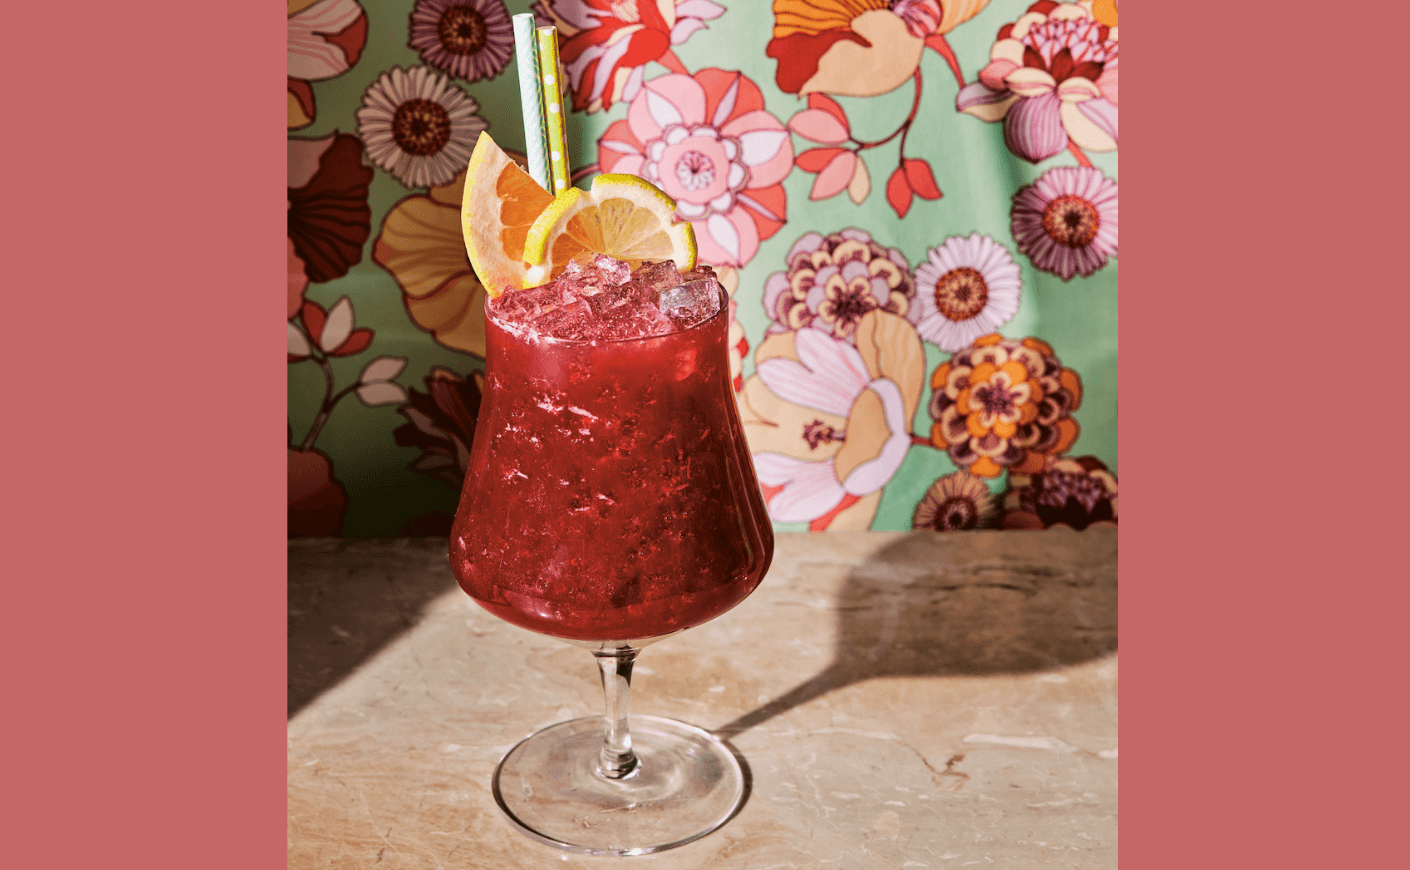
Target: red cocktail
<point>610,501</point>
<point>610,494</point>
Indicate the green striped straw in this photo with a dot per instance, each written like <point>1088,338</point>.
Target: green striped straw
<point>553,109</point>
<point>531,99</point>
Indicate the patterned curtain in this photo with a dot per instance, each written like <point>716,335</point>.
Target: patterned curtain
<point>913,205</point>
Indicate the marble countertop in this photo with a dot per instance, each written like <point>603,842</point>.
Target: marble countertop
<point>920,700</point>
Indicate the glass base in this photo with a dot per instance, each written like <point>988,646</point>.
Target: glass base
<point>688,784</point>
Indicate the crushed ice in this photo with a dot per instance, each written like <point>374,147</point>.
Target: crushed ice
<point>603,300</point>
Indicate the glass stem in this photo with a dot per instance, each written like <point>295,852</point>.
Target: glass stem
<point>616,760</point>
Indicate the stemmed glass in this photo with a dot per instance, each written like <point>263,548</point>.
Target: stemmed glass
<point>611,501</point>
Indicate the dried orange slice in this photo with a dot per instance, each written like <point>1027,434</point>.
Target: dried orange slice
<point>501,202</point>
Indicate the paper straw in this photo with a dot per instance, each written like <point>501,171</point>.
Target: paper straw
<point>553,109</point>
<point>531,99</point>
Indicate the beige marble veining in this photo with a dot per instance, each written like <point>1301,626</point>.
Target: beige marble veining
<point>902,700</point>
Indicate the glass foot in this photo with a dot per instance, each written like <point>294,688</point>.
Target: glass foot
<point>687,785</point>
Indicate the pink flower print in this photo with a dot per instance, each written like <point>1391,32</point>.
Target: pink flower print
<point>922,17</point>
<point>967,287</point>
<point>829,422</point>
<point>468,39</point>
<point>707,141</point>
<point>1051,78</point>
<point>326,38</point>
<point>832,281</point>
<point>1066,220</point>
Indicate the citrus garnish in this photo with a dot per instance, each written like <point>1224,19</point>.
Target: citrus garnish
<point>518,235</point>
<point>622,216</point>
<point>501,201</point>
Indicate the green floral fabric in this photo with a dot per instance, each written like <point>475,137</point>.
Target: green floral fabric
<point>913,204</point>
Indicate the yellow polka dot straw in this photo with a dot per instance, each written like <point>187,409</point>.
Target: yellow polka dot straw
<point>553,109</point>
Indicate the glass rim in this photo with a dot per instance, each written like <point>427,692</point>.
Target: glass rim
<point>522,330</point>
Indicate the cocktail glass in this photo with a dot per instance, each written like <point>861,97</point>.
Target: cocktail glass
<point>610,501</point>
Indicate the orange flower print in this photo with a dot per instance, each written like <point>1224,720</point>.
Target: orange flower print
<point>421,243</point>
<point>859,48</point>
<point>1004,403</point>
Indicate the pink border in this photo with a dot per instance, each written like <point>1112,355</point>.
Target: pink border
<point>1261,297</point>
<point>1262,290</point>
<point>145,389</point>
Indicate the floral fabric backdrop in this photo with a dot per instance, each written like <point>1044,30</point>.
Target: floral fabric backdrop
<point>913,204</point>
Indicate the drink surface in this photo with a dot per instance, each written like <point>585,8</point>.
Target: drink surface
<point>610,493</point>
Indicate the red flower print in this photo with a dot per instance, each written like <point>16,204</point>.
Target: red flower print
<point>1070,492</point>
<point>912,178</point>
<point>317,500</point>
<point>298,281</point>
<point>837,168</point>
<point>841,167</point>
<point>332,330</point>
<point>441,422</point>
<point>329,219</point>
<point>606,44</point>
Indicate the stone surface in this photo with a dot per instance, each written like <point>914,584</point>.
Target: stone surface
<point>917,700</point>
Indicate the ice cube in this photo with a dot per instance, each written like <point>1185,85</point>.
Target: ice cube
<point>699,273</point>
<point>613,271</point>
<point>524,306</point>
<point>690,303</point>
<point>618,297</point>
<point>590,277</point>
<point>574,280</point>
<point>565,321</point>
<point>652,278</point>
<point>601,299</point>
<point>631,321</point>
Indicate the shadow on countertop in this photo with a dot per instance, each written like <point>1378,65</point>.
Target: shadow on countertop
<point>926,604</point>
<point>339,616</point>
<point>967,603</point>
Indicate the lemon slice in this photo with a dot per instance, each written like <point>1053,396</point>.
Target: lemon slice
<point>500,203</point>
<point>623,216</point>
